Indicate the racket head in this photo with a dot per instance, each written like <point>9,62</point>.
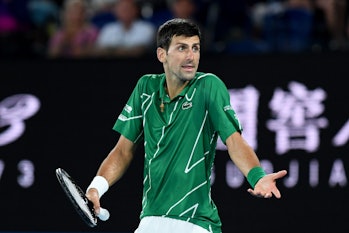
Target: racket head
<point>77,197</point>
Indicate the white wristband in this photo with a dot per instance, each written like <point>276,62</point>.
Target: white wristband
<point>99,183</point>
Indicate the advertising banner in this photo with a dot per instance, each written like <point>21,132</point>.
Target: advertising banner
<point>59,113</point>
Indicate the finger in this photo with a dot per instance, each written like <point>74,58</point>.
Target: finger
<point>277,193</point>
<point>97,206</point>
<point>250,191</point>
<point>280,174</point>
<point>97,209</point>
<point>93,197</point>
<point>256,194</point>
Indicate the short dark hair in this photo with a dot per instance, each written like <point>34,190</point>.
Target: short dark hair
<point>176,27</point>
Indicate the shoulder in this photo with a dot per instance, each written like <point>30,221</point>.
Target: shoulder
<point>207,76</point>
<point>150,80</point>
<point>208,79</point>
<point>151,77</point>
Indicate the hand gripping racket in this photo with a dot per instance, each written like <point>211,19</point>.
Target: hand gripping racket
<point>81,204</point>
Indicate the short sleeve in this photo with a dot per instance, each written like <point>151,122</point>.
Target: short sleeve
<point>221,114</point>
<point>129,122</point>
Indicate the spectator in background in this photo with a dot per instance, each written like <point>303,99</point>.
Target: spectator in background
<point>331,20</point>
<point>44,16</point>
<point>286,26</point>
<point>185,9</point>
<point>76,36</point>
<point>129,36</point>
<point>232,19</point>
<point>14,28</point>
<point>102,12</point>
<point>292,28</point>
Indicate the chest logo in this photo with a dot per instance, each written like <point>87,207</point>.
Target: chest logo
<point>187,105</point>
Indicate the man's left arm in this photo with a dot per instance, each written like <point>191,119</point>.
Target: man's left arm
<point>245,158</point>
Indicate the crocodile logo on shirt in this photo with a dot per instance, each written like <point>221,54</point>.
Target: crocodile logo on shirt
<point>187,105</point>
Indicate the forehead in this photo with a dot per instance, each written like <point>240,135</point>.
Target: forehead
<point>185,40</point>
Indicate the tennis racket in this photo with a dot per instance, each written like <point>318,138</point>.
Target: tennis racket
<point>81,204</point>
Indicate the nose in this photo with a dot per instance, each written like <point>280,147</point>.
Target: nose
<point>190,54</point>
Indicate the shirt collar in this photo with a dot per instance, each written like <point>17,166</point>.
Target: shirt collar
<point>163,95</point>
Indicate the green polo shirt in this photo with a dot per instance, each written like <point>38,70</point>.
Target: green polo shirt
<point>179,143</point>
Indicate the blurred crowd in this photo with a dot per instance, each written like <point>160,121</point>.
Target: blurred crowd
<point>107,28</point>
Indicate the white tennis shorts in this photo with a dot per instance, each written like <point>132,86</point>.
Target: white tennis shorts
<point>155,224</point>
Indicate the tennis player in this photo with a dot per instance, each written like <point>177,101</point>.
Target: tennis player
<point>178,115</point>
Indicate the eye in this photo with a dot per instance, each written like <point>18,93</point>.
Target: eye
<point>196,49</point>
<point>181,48</point>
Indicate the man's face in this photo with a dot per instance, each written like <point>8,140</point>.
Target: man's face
<point>182,58</point>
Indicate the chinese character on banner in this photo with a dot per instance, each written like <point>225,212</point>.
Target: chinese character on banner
<point>342,137</point>
<point>245,103</point>
<point>297,118</point>
<point>14,110</point>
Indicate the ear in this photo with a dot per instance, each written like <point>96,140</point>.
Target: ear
<point>161,54</point>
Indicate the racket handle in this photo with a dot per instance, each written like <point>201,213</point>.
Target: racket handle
<point>103,214</point>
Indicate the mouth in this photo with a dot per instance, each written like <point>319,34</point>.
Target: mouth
<point>188,68</point>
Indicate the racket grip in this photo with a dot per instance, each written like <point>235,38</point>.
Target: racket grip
<point>103,214</point>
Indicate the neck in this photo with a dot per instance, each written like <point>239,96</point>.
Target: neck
<point>174,88</point>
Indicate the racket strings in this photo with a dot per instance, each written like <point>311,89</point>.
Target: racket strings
<point>79,196</point>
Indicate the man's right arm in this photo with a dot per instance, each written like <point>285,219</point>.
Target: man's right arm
<point>111,170</point>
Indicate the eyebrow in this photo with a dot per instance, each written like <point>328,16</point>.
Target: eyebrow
<point>180,43</point>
